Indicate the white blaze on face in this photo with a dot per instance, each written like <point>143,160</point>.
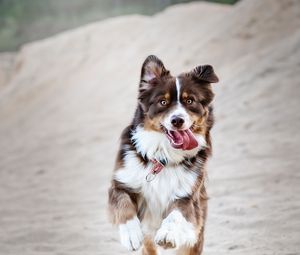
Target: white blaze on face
<point>178,90</point>
<point>179,111</point>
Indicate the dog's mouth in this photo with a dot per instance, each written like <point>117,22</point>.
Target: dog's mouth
<point>181,139</point>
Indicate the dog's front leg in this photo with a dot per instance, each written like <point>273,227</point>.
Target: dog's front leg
<point>178,228</point>
<point>123,212</point>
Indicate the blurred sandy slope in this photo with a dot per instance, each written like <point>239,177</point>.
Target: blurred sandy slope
<point>69,97</point>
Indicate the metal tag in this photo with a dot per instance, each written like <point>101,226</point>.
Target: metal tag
<point>150,177</point>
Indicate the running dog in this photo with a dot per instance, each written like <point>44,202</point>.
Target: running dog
<point>157,196</point>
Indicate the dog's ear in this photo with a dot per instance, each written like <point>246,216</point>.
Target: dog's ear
<point>152,69</point>
<point>205,73</point>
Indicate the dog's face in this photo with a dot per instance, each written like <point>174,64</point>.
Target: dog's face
<point>176,106</point>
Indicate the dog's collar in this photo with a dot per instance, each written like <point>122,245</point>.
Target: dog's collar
<point>157,167</point>
<point>159,164</point>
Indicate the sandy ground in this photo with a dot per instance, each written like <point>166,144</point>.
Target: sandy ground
<point>69,96</point>
<point>6,67</point>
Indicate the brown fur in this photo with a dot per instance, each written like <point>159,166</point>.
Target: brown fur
<point>149,247</point>
<point>122,204</point>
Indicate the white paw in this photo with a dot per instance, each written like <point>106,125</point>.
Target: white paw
<point>131,234</point>
<point>175,231</point>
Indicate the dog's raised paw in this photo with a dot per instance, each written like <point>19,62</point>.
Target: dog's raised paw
<point>175,231</point>
<point>131,234</point>
<point>166,238</point>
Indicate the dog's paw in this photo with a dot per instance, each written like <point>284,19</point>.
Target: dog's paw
<point>175,231</point>
<point>131,234</point>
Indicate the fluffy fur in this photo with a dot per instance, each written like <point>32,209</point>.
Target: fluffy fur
<point>170,210</point>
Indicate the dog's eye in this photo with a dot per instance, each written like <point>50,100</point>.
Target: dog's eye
<point>189,101</point>
<point>163,102</point>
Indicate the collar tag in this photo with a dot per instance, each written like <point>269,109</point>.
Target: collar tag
<point>150,177</point>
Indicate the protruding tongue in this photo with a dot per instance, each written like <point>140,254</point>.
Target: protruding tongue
<point>182,139</point>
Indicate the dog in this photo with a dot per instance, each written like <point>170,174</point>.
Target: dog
<point>157,195</point>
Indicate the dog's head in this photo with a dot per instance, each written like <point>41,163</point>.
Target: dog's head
<point>177,106</point>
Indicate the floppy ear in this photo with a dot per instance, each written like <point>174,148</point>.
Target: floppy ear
<point>205,73</point>
<point>152,69</point>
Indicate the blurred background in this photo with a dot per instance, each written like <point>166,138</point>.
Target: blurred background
<point>23,21</point>
<point>69,73</point>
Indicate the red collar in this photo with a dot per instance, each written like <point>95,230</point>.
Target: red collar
<point>158,166</point>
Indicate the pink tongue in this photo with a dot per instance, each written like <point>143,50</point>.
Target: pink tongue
<point>183,139</point>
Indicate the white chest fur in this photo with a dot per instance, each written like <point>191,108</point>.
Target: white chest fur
<point>170,184</point>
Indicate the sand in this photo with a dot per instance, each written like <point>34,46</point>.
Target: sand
<point>6,67</point>
<point>67,98</point>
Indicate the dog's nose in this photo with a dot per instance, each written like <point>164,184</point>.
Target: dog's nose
<point>177,121</point>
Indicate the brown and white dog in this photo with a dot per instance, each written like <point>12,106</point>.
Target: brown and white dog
<point>157,197</point>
